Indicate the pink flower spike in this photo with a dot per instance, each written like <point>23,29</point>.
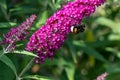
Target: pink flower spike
<point>18,33</point>
<point>51,36</point>
<point>102,76</point>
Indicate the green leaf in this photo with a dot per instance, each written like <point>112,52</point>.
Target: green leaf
<point>25,53</point>
<point>55,62</point>
<point>113,68</point>
<point>22,10</point>
<point>3,4</point>
<point>115,76</point>
<point>0,39</point>
<point>70,71</point>
<point>109,23</point>
<point>102,44</point>
<point>52,6</point>
<point>41,19</point>
<point>90,51</point>
<point>7,25</point>
<point>6,72</point>
<point>72,49</point>
<point>55,5</point>
<point>9,63</point>
<point>36,77</point>
<point>114,51</point>
<point>1,53</point>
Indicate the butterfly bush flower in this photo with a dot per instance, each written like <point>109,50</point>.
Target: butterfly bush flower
<point>102,76</point>
<point>18,33</point>
<point>51,36</point>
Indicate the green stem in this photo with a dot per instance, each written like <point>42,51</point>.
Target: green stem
<point>5,51</point>
<point>1,54</point>
<point>26,67</point>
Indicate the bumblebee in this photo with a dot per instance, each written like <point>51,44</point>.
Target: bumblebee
<point>78,28</point>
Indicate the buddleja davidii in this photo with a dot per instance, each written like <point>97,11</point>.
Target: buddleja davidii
<point>51,36</point>
<point>17,34</point>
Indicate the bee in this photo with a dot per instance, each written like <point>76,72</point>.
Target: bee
<point>78,28</point>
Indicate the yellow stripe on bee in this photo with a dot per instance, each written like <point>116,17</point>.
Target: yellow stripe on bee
<point>75,30</point>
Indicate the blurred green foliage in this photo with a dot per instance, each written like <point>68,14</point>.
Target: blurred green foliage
<point>82,57</point>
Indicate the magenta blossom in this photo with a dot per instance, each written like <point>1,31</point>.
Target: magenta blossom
<point>18,33</point>
<point>51,36</point>
<point>102,76</point>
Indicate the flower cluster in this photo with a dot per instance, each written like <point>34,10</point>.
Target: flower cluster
<point>51,36</point>
<point>18,33</point>
<point>102,76</point>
